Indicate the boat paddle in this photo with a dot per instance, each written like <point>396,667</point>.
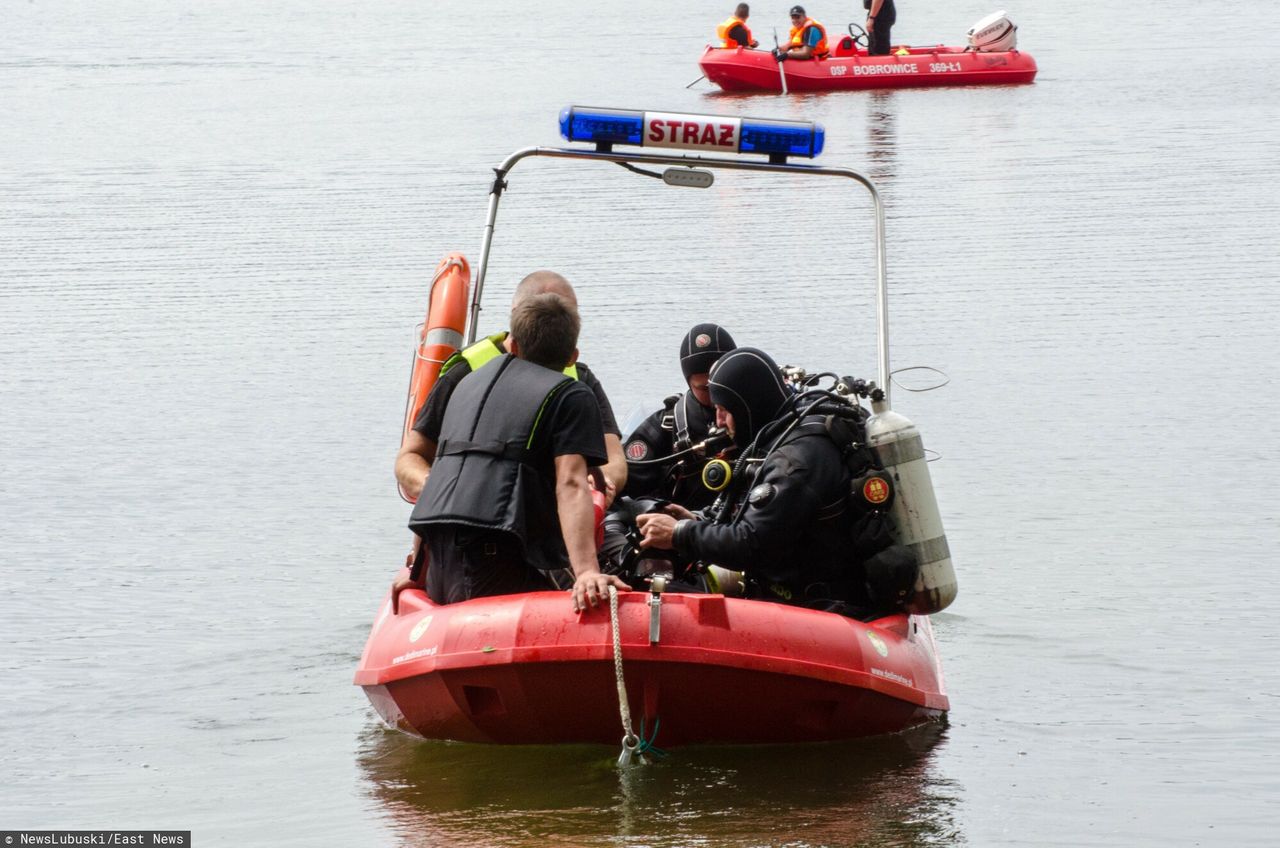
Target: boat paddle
<point>778,56</point>
<point>695,82</point>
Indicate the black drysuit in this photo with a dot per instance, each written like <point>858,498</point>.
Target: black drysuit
<point>788,531</point>
<point>661,435</point>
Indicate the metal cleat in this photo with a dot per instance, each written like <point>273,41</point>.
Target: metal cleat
<point>656,586</point>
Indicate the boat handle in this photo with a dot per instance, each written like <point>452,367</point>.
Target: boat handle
<point>655,608</point>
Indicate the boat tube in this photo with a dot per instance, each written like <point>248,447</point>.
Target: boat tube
<point>523,669</point>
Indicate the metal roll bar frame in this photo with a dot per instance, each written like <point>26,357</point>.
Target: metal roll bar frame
<point>779,166</point>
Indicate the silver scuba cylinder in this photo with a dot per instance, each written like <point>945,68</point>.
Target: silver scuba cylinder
<point>898,446</point>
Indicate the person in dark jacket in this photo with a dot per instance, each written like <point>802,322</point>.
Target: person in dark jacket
<point>508,498</point>
<point>683,421</point>
<point>785,528</point>
<point>881,16</point>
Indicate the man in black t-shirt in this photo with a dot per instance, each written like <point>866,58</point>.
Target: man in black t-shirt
<point>413,463</point>
<point>508,497</point>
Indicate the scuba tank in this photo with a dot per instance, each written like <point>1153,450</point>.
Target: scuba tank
<point>898,446</point>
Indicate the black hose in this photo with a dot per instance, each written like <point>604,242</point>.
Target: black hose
<point>712,441</point>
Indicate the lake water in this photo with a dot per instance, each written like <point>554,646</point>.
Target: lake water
<point>217,226</point>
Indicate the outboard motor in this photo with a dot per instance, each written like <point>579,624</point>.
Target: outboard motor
<point>994,34</point>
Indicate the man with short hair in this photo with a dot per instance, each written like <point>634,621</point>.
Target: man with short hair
<point>413,463</point>
<point>733,32</point>
<point>508,498</point>
<point>808,38</point>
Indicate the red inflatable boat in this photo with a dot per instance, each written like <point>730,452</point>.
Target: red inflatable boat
<point>688,668</point>
<point>741,69</point>
<point>524,668</point>
<point>990,59</point>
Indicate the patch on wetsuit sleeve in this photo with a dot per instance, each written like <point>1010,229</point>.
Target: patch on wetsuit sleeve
<point>637,449</point>
<point>761,495</point>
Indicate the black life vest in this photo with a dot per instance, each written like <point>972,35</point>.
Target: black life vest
<point>484,474</point>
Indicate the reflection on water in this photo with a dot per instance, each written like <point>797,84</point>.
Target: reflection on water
<point>879,791</point>
<point>877,158</point>
<point>881,150</point>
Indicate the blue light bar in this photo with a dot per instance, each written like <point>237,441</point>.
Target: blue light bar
<point>790,138</point>
<point>775,139</point>
<point>602,126</point>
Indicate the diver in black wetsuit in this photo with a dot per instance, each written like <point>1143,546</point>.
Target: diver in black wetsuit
<point>684,421</point>
<point>792,526</point>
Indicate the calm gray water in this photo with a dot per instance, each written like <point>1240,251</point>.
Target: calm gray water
<point>217,225</point>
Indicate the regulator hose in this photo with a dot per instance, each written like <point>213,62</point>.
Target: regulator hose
<point>715,442</point>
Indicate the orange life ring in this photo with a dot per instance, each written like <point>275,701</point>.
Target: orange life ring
<point>440,335</point>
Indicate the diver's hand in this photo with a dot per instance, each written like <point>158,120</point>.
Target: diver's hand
<point>677,512</point>
<point>658,530</point>
<point>592,587</point>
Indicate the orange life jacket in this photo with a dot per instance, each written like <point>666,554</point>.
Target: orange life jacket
<point>798,37</point>
<point>722,32</point>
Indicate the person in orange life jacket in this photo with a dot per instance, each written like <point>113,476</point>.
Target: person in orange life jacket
<point>881,16</point>
<point>683,421</point>
<point>808,38</point>
<point>786,531</point>
<point>507,498</point>
<point>413,463</point>
<point>733,32</point>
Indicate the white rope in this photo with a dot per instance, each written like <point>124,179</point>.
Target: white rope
<point>629,739</point>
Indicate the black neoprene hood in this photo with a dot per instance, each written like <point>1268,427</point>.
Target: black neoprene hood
<point>747,383</point>
<point>702,346</point>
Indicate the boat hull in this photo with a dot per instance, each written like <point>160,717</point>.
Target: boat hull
<point>744,70</point>
<point>523,669</point>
